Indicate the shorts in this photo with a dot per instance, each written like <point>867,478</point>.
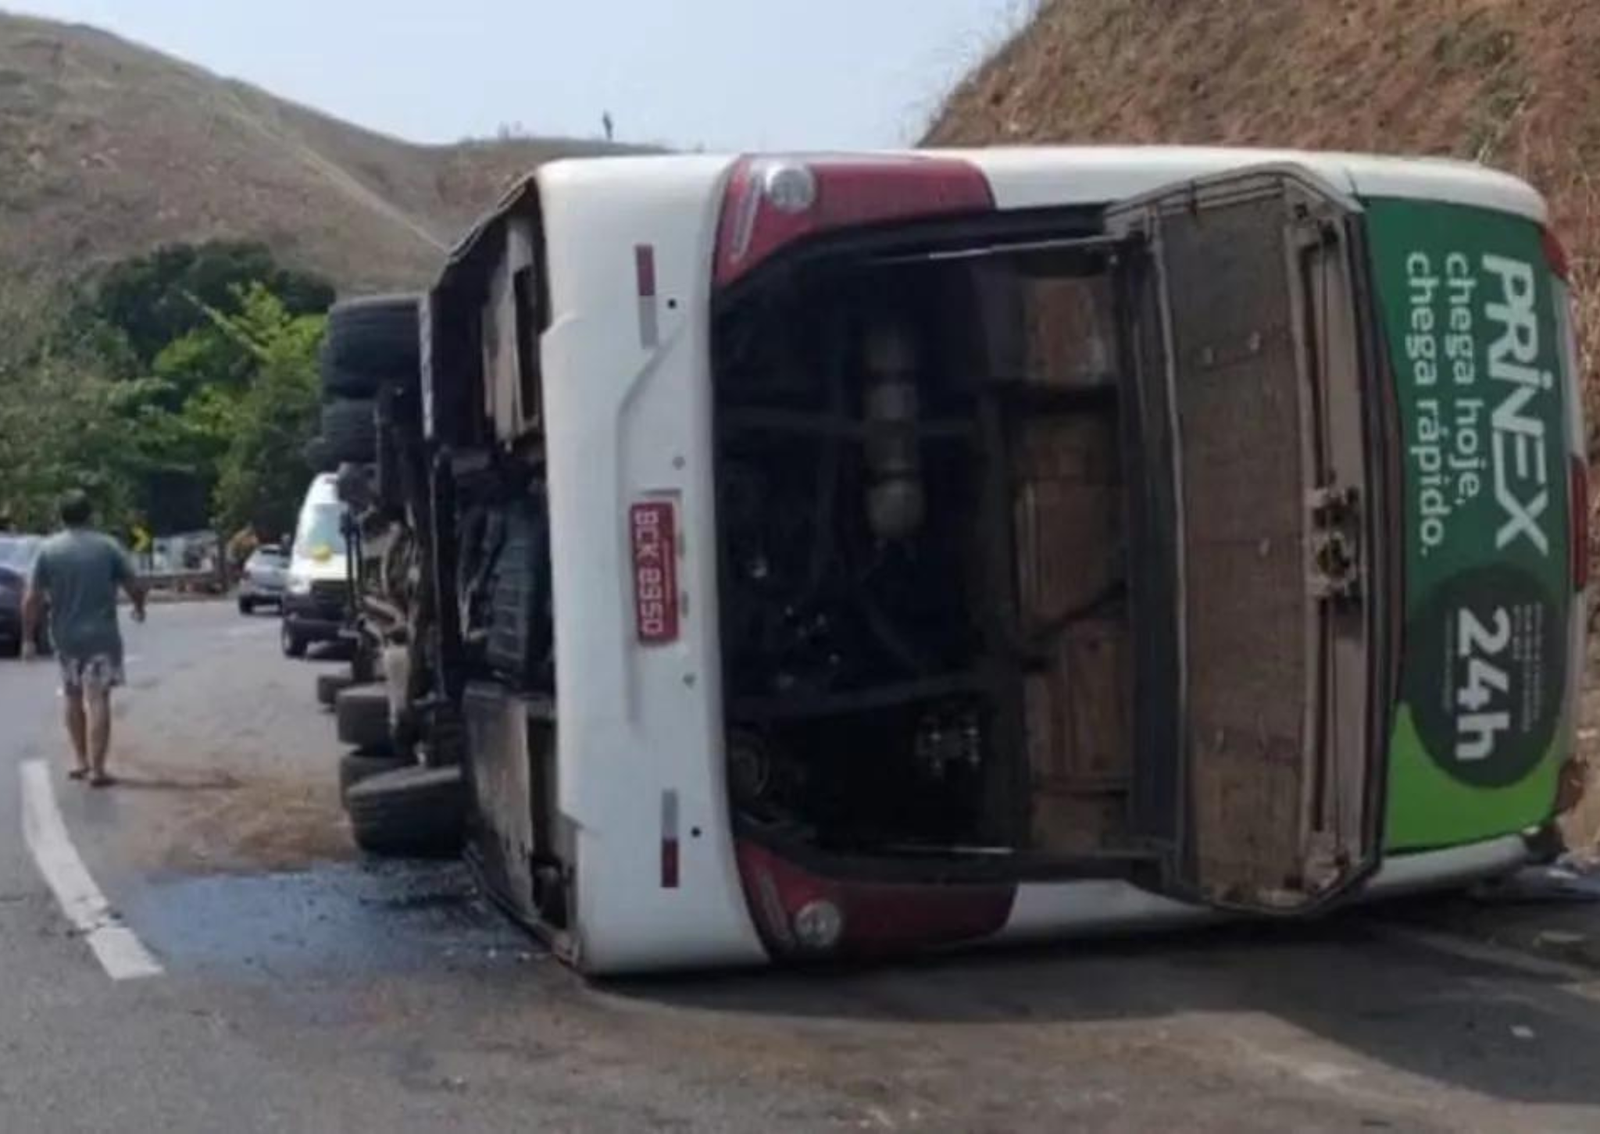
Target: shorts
<point>99,673</point>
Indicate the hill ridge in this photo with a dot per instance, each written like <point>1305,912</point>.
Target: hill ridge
<point>119,148</point>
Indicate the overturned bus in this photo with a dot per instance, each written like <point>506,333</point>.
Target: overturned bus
<point>827,556</point>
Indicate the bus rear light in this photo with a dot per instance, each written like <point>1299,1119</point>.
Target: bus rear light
<point>789,188</point>
<point>799,913</point>
<point>819,926</point>
<point>771,203</point>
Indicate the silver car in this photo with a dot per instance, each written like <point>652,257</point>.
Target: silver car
<point>266,575</point>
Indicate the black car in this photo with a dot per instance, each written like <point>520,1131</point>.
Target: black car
<point>17,553</point>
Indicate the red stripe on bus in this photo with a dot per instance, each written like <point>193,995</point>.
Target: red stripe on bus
<point>669,864</point>
<point>644,260</point>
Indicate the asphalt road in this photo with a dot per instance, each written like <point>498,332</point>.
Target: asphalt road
<point>304,990</point>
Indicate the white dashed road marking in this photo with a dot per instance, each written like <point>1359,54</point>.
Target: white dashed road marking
<point>120,953</point>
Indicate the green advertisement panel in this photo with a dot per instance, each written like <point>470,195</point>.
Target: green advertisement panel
<point>1468,308</point>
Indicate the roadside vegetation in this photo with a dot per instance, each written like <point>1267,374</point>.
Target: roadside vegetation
<point>178,389</point>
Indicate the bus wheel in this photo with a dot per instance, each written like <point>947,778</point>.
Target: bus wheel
<point>294,646</point>
<point>409,813</point>
<point>354,768</point>
<point>362,712</point>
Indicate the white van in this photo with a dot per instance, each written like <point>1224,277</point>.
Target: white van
<point>833,555</point>
<point>317,590</point>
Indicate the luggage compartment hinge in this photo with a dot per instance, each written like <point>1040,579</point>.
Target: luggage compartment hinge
<point>1335,543</point>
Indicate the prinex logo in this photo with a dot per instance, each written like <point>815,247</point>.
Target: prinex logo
<point>1521,467</point>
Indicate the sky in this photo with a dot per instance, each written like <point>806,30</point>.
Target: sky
<point>723,74</point>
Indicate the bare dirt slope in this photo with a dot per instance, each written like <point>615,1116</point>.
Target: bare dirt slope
<point>1511,83</point>
<point>110,149</point>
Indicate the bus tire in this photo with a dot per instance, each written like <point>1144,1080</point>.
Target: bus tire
<point>364,661</point>
<point>341,382</point>
<point>354,768</point>
<point>330,685</point>
<point>362,712</point>
<point>389,484</point>
<point>375,335</point>
<point>349,431</point>
<point>409,813</point>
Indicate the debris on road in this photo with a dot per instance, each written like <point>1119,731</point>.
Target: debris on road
<point>1566,880</point>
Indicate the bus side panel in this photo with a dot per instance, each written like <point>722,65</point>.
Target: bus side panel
<point>1469,306</point>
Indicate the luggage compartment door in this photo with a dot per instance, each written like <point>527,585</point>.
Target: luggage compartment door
<point>1251,352</point>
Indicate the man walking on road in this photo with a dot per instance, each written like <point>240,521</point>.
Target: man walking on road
<point>78,571</point>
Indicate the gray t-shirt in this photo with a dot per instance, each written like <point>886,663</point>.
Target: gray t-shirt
<point>80,571</point>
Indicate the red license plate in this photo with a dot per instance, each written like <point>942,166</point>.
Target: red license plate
<point>653,530</point>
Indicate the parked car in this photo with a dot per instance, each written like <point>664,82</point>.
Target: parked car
<point>17,554</point>
<point>266,575</point>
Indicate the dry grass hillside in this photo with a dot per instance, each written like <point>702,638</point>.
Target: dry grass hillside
<point>1511,83</point>
<point>110,149</point>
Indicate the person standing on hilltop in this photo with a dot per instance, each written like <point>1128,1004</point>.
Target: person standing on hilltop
<point>79,571</point>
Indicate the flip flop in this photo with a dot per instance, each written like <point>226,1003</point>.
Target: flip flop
<point>78,774</point>
<point>101,780</point>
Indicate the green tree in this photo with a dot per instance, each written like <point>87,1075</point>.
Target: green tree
<point>63,425</point>
<point>209,423</point>
<point>262,475</point>
<point>155,300</point>
<point>199,360</point>
<point>162,320</point>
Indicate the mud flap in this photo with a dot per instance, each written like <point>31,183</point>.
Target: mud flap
<point>511,757</point>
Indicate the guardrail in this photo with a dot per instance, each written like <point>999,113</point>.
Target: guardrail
<point>184,582</point>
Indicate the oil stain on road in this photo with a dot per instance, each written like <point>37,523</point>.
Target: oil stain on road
<point>354,918</point>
